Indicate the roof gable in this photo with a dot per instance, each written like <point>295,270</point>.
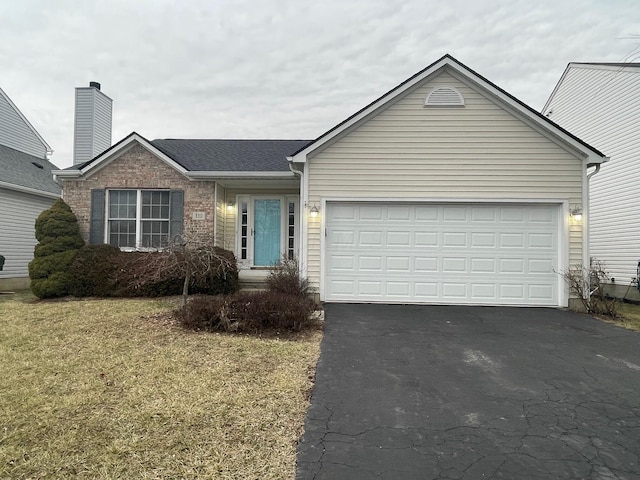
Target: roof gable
<point>489,88</point>
<point>203,158</point>
<point>115,151</point>
<point>17,132</point>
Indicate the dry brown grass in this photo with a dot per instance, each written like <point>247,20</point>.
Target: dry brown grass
<point>103,389</point>
<point>629,316</point>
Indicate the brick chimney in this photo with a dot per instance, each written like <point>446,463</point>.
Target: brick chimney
<point>92,127</point>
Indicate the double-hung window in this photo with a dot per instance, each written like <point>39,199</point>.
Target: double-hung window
<point>138,218</point>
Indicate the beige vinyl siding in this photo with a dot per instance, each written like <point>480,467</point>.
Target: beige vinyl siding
<point>479,151</point>
<point>601,104</point>
<point>221,210</point>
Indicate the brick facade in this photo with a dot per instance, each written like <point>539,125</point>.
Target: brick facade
<point>139,168</point>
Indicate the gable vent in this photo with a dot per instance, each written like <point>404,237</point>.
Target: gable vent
<point>444,97</point>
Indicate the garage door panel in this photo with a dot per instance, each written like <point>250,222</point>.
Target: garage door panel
<point>454,239</point>
<point>483,265</point>
<point>425,239</point>
<point>426,290</point>
<point>511,240</point>
<point>454,214</point>
<point>483,239</point>
<point>488,254</point>
<point>541,240</point>
<point>370,264</point>
<point>426,264</point>
<point>400,214</point>
<point>454,265</point>
<point>485,291</point>
<point>398,239</point>
<point>454,290</point>
<point>483,214</point>
<point>399,264</point>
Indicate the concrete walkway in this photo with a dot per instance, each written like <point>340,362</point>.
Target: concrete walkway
<point>438,392</point>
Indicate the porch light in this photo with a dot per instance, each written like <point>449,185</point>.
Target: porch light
<point>576,213</point>
<point>230,206</point>
<point>314,211</point>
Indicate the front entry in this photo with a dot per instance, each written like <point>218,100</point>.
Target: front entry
<point>267,229</point>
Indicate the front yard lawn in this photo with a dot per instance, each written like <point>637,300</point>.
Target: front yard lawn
<point>107,389</point>
<point>629,316</point>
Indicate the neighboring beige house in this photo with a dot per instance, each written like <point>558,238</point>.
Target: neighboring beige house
<point>600,102</point>
<point>445,189</point>
<point>26,189</point>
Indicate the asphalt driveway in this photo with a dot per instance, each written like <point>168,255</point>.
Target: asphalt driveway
<point>444,392</point>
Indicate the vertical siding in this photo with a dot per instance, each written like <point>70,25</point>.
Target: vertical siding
<point>16,133</point>
<point>18,213</point>
<point>601,105</point>
<point>102,123</point>
<point>92,127</point>
<point>410,151</point>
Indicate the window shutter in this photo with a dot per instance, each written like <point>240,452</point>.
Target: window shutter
<point>176,213</point>
<point>96,222</point>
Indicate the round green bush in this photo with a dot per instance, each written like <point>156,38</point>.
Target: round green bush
<point>59,236</point>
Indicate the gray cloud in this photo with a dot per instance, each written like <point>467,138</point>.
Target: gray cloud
<point>277,68</point>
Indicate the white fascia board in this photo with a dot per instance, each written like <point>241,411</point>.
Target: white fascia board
<point>47,147</point>
<point>66,173</point>
<point>32,191</point>
<point>202,175</point>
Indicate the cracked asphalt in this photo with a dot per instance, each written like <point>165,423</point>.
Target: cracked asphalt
<point>451,392</point>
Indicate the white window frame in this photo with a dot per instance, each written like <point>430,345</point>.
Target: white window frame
<point>138,242</point>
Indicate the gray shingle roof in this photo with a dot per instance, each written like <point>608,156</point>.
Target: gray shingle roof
<point>22,169</point>
<point>230,155</point>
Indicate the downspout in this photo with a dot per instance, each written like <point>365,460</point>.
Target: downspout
<point>303,221</point>
<point>215,214</point>
<point>586,217</point>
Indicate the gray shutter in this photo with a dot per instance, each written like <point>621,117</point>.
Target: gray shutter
<point>176,213</point>
<point>96,223</point>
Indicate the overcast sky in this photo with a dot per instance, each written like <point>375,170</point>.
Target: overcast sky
<point>278,68</point>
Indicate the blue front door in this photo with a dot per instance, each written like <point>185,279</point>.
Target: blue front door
<point>267,230</point>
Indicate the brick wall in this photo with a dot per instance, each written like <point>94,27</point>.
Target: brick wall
<point>139,168</point>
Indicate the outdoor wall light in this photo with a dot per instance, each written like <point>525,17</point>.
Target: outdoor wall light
<point>230,206</point>
<point>576,213</point>
<point>314,211</point>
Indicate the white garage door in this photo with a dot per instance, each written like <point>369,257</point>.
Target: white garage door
<point>493,254</point>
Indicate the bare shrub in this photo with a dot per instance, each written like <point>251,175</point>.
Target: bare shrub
<point>285,278</point>
<point>587,284</point>
<point>198,265</point>
<point>247,312</point>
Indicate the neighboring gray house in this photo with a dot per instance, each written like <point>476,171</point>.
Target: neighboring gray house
<point>26,189</point>
<point>600,103</point>
<point>446,189</point>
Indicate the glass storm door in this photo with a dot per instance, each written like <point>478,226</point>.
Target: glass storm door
<point>267,230</point>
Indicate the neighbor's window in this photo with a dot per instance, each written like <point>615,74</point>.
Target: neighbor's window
<point>138,218</point>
